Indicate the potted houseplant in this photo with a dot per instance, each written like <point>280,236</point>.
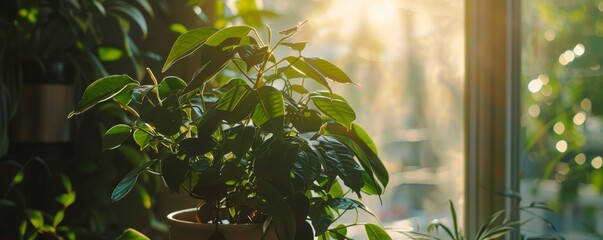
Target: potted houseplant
<point>246,137</point>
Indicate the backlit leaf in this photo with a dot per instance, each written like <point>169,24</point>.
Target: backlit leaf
<point>337,109</point>
<point>301,66</point>
<point>236,32</point>
<point>170,85</point>
<point>375,232</point>
<point>109,54</point>
<point>102,90</point>
<point>186,44</point>
<point>270,109</point>
<point>126,184</point>
<point>131,234</point>
<point>35,218</point>
<point>115,136</point>
<point>328,70</point>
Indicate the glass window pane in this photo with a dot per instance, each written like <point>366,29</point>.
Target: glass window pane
<point>562,82</point>
<point>407,60</point>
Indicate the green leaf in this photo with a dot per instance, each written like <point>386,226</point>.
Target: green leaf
<point>244,137</point>
<point>297,46</point>
<point>125,96</point>
<point>66,199</point>
<point>186,44</point>
<point>276,207</point>
<point>270,109</point>
<point>18,178</point>
<point>307,166</point>
<point>375,232</point>
<point>319,218</point>
<point>328,70</point>
<point>170,85</point>
<point>146,6</point>
<point>166,121</point>
<point>126,184</point>
<point>213,60</point>
<point>58,218</point>
<point>35,218</point>
<point>174,171</point>
<point>275,163</point>
<point>115,136</point>
<point>340,160</point>
<point>337,109</point>
<point>299,65</point>
<point>299,89</point>
<point>133,13</point>
<point>131,234</point>
<point>102,90</point>
<point>178,28</point>
<point>362,157</point>
<point>339,232</point>
<point>193,147</point>
<point>66,183</point>
<point>109,54</point>
<point>238,90</point>
<point>236,32</point>
<point>142,138</point>
<point>139,92</point>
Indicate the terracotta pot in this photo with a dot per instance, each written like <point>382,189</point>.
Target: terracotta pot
<point>183,226</point>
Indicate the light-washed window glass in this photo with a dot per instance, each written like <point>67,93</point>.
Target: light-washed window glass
<point>407,58</point>
<point>562,83</point>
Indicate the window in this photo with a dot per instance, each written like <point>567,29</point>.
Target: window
<point>407,58</point>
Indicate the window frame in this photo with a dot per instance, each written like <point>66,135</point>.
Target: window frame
<point>492,111</point>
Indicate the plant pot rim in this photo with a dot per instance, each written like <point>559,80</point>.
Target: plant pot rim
<point>183,218</point>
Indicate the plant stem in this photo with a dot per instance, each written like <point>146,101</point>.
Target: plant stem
<point>156,85</point>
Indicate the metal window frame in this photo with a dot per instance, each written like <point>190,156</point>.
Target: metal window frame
<point>492,105</point>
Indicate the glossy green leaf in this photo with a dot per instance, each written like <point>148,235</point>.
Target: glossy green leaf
<point>35,218</point>
<point>375,232</point>
<point>174,171</point>
<point>244,137</point>
<point>319,218</point>
<point>115,136</point>
<point>102,90</point>
<point>337,109</point>
<point>109,54</point>
<point>299,65</point>
<point>142,138</point>
<point>125,96</point>
<point>328,70</point>
<point>270,109</point>
<point>238,90</point>
<point>362,157</point>
<point>131,234</point>
<point>139,92</point>
<point>307,166</point>
<point>126,184</point>
<point>213,60</point>
<point>170,85</point>
<point>341,161</point>
<point>276,162</point>
<point>186,44</point>
<point>236,32</point>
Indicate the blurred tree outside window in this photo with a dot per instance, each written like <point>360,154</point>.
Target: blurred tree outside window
<point>562,106</point>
